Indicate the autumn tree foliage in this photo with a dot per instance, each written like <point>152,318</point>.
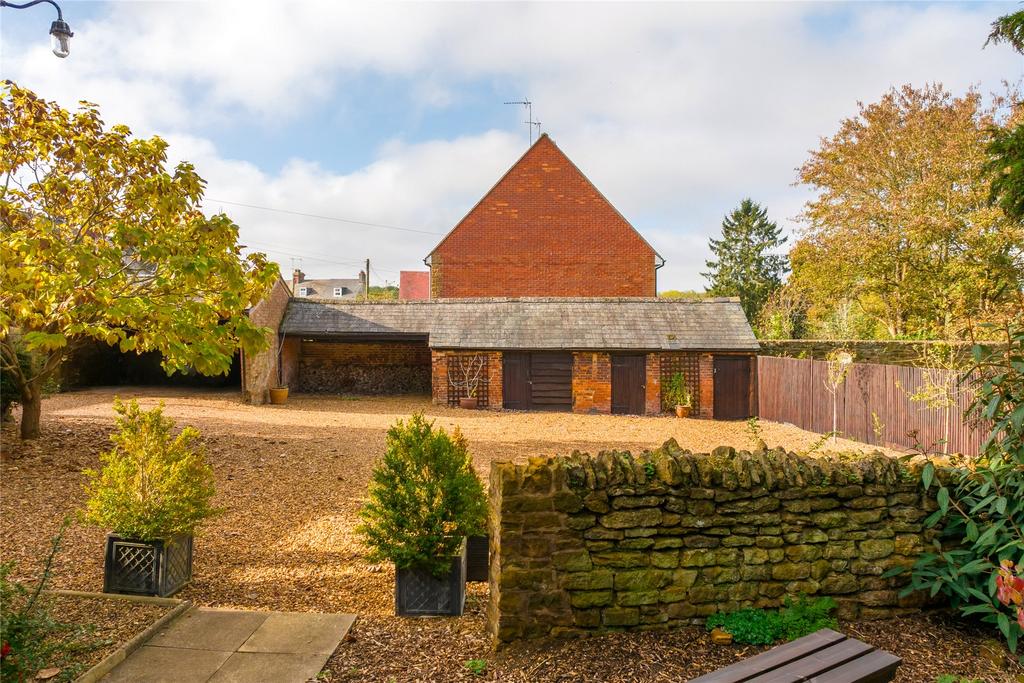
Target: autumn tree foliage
<point>102,241</point>
<point>902,226</point>
<point>746,262</point>
<point>1007,146</point>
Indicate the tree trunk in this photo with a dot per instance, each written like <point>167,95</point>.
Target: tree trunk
<point>31,409</point>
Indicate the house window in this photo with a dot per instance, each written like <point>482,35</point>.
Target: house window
<point>303,291</point>
<point>337,291</point>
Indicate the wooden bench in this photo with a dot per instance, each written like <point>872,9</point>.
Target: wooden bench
<point>825,656</point>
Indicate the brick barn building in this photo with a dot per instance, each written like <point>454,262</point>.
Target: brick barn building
<point>545,294</point>
<point>543,230</point>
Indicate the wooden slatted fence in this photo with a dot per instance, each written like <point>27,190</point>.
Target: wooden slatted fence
<point>793,390</point>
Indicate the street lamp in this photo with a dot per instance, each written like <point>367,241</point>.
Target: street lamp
<point>60,32</point>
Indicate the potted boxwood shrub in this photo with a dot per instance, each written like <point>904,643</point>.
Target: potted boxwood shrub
<point>424,500</point>
<point>677,394</point>
<point>152,492</point>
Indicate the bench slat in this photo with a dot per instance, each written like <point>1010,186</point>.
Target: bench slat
<point>821,662</point>
<point>877,667</point>
<point>777,657</point>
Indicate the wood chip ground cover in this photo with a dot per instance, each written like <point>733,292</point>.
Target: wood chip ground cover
<point>101,626</point>
<point>290,482</point>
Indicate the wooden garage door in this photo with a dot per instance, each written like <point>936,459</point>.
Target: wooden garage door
<point>629,380</point>
<point>732,387</point>
<point>516,381</point>
<point>551,381</point>
<point>537,381</point>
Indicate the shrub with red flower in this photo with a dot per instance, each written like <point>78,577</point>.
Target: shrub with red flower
<point>1010,589</point>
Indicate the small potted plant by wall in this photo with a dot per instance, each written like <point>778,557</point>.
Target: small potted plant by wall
<point>279,394</point>
<point>465,378</point>
<point>677,394</point>
<point>152,492</point>
<point>424,500</point>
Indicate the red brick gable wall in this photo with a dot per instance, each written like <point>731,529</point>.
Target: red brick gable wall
<point>543,230</point>
<point>413,285</point>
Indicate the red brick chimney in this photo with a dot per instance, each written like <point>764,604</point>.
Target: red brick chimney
<point>297,277</point>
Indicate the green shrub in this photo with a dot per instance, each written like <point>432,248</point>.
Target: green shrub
<point>477,667</point>
<point>676,393</point>
<point>804,616</point>
<point>749,625</point>
<point>152,484</point>
<point>424,498</point>
<point>762,627</point>
<point>30,637</point>
<point>981,503</point>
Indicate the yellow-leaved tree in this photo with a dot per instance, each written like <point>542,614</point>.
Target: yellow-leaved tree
<point>102,241</point>
<point>901,225</point>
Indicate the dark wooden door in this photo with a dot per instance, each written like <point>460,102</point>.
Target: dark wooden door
<point>732,387</point>
<point>515,385</point>
<point>629,385</point>
<point>551,381</point>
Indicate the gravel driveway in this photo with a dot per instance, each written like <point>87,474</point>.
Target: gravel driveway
<point>290,480</point>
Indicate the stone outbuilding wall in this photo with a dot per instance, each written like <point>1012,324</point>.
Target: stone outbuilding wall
<point>260,370</point>
<point>586,544</point>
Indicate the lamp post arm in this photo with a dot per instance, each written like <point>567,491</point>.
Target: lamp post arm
<point>5,3</point>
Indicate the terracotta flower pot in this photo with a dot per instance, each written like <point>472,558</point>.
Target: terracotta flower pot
<point>279,395</point>
<point>721,637</point>
<point>682,411</point>
<point>468,402</point>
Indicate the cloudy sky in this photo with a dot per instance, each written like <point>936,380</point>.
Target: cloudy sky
<point>392,114</point>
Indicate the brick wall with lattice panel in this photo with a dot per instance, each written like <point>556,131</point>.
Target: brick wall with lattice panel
<point>689,365</point>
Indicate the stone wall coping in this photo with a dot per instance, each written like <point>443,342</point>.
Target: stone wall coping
<point>724,467</point>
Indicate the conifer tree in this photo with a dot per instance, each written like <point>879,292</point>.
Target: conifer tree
<point>745,264</point>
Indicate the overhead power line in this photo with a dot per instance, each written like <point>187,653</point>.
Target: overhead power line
<point>272,249</point>
<point>325,218</point>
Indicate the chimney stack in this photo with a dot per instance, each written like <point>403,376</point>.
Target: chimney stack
<point>297,277</point>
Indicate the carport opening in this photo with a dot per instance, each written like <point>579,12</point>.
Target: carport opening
<point>99,365</point>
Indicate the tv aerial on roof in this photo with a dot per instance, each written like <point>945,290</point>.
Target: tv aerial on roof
<point>530,123</point>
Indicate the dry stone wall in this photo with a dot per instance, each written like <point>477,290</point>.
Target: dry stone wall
<point>585,544</point>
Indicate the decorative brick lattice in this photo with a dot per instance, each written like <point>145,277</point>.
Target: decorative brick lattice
<point>456,391</point>
<point>689,365</point>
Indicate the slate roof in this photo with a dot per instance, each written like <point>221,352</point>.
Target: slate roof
<point>542,323</point>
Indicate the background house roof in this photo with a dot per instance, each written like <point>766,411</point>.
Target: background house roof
<point>541,323</point>
<point>351,287</point>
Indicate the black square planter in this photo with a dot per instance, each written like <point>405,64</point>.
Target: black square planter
<point>478,558</point>
<point>137,567</point>
<point>418,593</point>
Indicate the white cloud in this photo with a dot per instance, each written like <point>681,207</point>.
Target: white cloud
<point>676,111</point>
<point>424,186</point>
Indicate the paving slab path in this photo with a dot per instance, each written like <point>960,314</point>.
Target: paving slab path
<point>207,645</point>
